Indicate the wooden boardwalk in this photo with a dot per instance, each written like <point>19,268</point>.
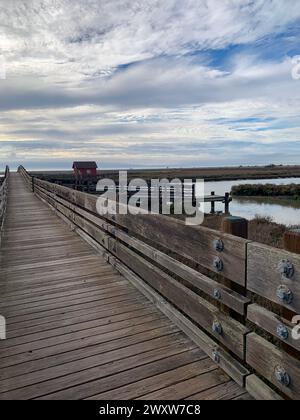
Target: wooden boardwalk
<point>76,329</point>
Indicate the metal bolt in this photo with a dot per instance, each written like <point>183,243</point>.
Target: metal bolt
<point>218,264</point>
<point>218,245</point>
<point>286,269</point>
<point>284,294</point>
<point>282,376</point>
<point>217,327</point>
<point>282,332</point>
<point>216,356</point>
<point>217,294</point>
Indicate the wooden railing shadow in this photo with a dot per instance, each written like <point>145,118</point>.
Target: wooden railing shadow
<point>239,312</point>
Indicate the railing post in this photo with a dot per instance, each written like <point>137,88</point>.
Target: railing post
<point>291,241</point>
<point>212,204</point>
<point>3,199</point>
<point>237,226</point>
<point>227,201</point>
<point>32,183</point>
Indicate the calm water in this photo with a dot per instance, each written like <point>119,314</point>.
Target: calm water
<point>286,212</point>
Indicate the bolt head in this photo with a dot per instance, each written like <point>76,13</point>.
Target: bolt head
<point>286,269</point>
<point>282,376</point>
<point>284,294</point>
<point>217,327</point>
<point>216,356</point>
<point>282,332</point>
<point>217,294</point>
<point>218,264</point>
<point>218,245</point>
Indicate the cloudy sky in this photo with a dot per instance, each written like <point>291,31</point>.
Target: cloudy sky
<point>146,83</point>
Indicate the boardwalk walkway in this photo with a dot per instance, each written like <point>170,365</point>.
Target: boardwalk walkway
<point>77,329</point>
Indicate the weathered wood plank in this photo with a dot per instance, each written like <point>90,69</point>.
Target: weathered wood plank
<point>93,330</point>
<point>20,290</point>
<point>265,277</point>
<point>159,381</point>
<point>90,362</point>
<point>224,391</point>
<point>60,387</point>
<point>64,303</point>
<point>104,239</point>
<point>205,314</point>
<point>135,374</point>
<point>97,346</point>
<point>21,330</point>
<point>259,390</point>
<point>188,387</point>
<point>37,316</point>
<point>268,360</point>
<point>56,350</point>
<point>79,326</point>
<point>97,290</point>
<point>196,279</point>
<point>3,200</point>
<point>273,324</point>
<point>196,243</point>
<point>231,366</point>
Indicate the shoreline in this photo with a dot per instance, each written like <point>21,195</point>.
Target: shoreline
<point>280,198</point>
<point>208,174</point>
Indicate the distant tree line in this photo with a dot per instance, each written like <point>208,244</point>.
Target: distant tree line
<point>267,190</point>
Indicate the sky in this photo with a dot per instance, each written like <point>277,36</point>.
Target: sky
<point>146,83</point>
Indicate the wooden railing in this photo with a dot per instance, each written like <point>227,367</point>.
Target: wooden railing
<point>3,198</point>
<point>233,297</point>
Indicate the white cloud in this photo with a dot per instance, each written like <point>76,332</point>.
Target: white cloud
<point>69,92</point>
<point>66,40</point>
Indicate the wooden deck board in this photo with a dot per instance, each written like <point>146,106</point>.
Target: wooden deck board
<point>77,329</point>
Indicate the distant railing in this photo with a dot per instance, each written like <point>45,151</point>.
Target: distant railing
<point>3,197</point>
<point>235,298</point>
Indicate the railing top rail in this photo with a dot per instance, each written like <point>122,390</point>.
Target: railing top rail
<point>5,178</point>
<point>3,198</point>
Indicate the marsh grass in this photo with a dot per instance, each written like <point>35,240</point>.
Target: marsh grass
<point>290,191</point>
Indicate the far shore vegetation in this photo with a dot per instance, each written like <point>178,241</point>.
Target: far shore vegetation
<point>290,191</point>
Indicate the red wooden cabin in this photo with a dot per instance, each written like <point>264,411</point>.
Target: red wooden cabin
<point>85,169</point>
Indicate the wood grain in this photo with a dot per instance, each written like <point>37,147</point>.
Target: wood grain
<point>269,322</point>
<point>264,277</point>
<point>265,358</point>
<point>81,218</point>
<point>195,243</point>
<point>201,311</point>
<point>261,391</point>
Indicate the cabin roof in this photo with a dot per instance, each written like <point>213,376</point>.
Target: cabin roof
<point>85,165</point>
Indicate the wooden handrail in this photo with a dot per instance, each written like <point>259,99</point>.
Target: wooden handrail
<point>3,198</point>
<point>161,256</point>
